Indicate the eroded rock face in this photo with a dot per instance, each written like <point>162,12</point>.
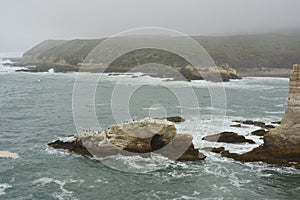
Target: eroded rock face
<point>135,138</point>
<point>282,144</point>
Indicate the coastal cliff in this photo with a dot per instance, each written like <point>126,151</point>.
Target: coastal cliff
<point>251,55</point>
<point>282,144</point>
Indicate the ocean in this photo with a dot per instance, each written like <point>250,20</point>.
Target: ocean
<point>36,108</point>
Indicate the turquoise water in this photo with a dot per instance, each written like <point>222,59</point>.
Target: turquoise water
<point>37,109</point>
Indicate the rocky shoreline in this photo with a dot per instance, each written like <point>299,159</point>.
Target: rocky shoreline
<point>281,144</point>
<point>186,73</point>
<point>227,74</point>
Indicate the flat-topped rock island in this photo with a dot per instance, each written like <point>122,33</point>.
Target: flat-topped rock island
<point>134,138</point>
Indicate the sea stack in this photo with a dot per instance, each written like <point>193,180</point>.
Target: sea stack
<point>282,144</point>
<point>284,141</point>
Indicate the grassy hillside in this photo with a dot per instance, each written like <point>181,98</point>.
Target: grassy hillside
<point>241,52</point>
<point>251,51</point>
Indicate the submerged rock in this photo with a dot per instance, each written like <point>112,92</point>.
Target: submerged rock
<point>228,137</point>
<point>282,144</point>
<point>135,138</point>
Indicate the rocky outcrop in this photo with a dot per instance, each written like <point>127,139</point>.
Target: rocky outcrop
<point>174,119</point>
<point>259,132</point>
<point>255,123</point>
<point>228,137</point>
<point>282,144</point>
<point>135,138</point>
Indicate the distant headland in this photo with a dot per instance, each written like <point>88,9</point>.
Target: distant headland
<point>267,55</point>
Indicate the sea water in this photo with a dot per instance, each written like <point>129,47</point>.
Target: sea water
<point>36,108</point>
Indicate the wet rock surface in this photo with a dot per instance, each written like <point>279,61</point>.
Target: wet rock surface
<point>173,119</point>
<point>260,132</point>
<point>228,137</point>
<point>255,123</point>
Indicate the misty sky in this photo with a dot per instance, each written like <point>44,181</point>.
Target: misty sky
<point>24,23</point>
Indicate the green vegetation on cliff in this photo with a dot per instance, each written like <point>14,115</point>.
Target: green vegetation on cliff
<point>240,52</point>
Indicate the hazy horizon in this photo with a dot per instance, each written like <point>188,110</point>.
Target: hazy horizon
<point>29,22</point>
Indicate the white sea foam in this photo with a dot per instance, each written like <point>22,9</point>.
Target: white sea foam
<point>63,193</point>
<point>274,112</point>
<point>58,152</point>
<point>3,187</point>
<point>51,71</point>
<point>137,164</point>
<point>6,68</point>
<point>67,139</point>
<point>152,108</point>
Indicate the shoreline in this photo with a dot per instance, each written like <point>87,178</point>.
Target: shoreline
<point>59,68</point>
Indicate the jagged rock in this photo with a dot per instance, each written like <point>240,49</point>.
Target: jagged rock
<point>228,137</point>
<point>141,137</point>
<point>178,144</point>
<point>260,132</point>
<point>75,146</point>
<point>282,144</point>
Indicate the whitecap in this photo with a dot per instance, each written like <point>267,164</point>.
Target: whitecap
<point>274,112</point>
<point>7,68</point>
<point>51,71</point>
<point>136,164</point>
<point>152,108</point>
<point>67,139</point>
<point>3,187</point>
<point>63,194</point>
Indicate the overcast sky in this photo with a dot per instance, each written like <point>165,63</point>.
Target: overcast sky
<point>24,23</point>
